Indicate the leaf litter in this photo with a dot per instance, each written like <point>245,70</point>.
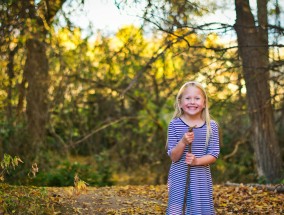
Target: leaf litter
<point>130,199</point>
<point>149,199</point>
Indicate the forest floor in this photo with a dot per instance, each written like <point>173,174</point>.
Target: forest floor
<point>124,200</point>
<point>147,200</point>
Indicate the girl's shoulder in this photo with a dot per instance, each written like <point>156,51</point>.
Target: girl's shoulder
<point>213,122</point>
<point>214,125</point>
<point>176,121</point>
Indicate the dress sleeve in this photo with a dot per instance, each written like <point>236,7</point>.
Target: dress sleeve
<point>213,145</point>
<point>172,139</point>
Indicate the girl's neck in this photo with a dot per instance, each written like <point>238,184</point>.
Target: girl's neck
<point>192,121</point>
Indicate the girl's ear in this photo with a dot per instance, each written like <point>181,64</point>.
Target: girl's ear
<point>179,103</point>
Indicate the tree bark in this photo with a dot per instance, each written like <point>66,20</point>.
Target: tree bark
<point>253,50</point>
<point>36,72</point>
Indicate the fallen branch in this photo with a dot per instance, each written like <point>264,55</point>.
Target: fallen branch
<point>277,188</point>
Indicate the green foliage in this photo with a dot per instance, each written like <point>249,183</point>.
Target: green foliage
<point>103,170</point>
<point>64,173</point>
<point>24,200</point>
<point>243,172</point>
<point>15,199</point>
<point>8,163</point>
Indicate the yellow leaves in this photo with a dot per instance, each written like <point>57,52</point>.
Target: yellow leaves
<point>24,200</point>
<point>70,40</point>
<point>79,185</point>
<point>7,163</point>
<point>212,40</point>
<point>77,210</point>
<point>159,208</point>
<point>247,200</point>
<point>144,199</point>
<point>116,200</point>
<point>129,32</point>
<point>34,170</point>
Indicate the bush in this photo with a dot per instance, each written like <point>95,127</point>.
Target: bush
<point>64,173</point>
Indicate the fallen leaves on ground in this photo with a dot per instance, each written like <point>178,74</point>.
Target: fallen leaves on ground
<point>115,200</point>
<point>148,199</point>
<point>247,200</point>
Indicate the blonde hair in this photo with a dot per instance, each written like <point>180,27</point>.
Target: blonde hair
<point>205,112</point>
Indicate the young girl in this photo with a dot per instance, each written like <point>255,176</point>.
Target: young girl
<point>191,109</point>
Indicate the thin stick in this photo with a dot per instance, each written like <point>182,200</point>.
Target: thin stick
<point>187,176</point>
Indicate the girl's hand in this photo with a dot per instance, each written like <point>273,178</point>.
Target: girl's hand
<point>190,159</point>
<point>188,138</point>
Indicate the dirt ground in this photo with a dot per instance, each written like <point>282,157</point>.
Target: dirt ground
<point>111,200</point>
<point>148,199</point>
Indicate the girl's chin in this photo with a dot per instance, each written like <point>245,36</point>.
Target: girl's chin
<point>193,113</point>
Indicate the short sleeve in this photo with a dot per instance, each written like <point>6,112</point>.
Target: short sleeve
<point>213,145</point>
<point>172,138</point>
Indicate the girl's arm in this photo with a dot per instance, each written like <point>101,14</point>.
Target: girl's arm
<point>202,161</point>
<point>178,150</point>
<point>212,151</point>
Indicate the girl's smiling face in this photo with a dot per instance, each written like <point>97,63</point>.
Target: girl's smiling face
<point>192,101</point>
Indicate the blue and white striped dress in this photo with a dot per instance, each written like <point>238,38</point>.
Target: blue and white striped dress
<point>200,192</point>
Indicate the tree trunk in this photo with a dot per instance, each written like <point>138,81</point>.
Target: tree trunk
<point>36,74</point>
<point>253,50</point>
<point>36,71</point>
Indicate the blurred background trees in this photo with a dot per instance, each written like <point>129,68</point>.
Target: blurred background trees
<point>99,105</point>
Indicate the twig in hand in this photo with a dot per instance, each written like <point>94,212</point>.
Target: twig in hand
<point>187,175</point>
